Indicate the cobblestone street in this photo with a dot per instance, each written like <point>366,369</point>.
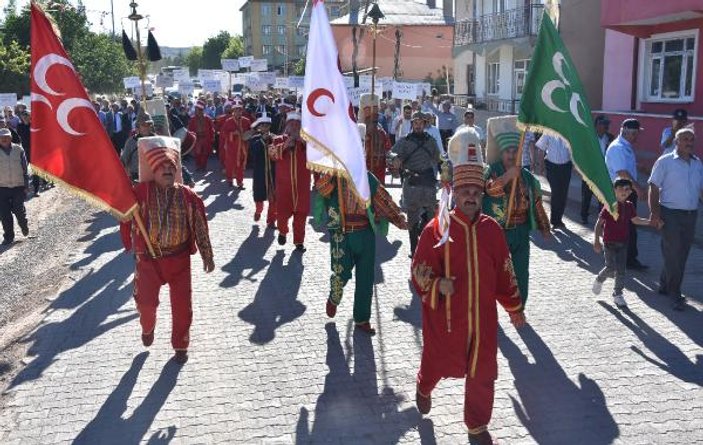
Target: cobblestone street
<point>268,367</point>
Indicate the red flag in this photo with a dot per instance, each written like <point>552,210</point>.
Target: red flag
<point>69,144</point>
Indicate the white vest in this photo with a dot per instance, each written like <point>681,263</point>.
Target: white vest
<point>11,173</point>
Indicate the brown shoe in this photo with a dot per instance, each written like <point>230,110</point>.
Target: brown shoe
<point>181,357</point>
<point>424,404</point>
<point>147,339</point>
<point>366,327</point>
<point>483,438</point>
<point>331,309</point>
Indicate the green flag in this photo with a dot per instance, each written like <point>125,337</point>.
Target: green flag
<point>553,102</point>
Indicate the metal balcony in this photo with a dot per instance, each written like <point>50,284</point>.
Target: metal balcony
<point>511,24</point>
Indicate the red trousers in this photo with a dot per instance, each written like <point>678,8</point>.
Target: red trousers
<point>270,212</point>
<point>478,397</point>
<point>299,219</point>
<point>202,153</point>
<point>151,274</point>
<point>221,153</point>
<point>235,161</point>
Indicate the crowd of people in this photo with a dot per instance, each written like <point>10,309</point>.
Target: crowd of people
<point>425,143</point>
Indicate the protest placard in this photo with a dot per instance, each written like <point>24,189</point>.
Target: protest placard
<point>212,85</point>
<point>230,64</point>
<point>259,65</point>
<point>186,88</point>
<point>424,87</point>
<point>267,77</point>
<point>296,82</point>
<point>281,83</point>
<point>365,80</point>
<point>355,94</point>
<point>254,83</point>
<point>348,81</point>
<point>164,80</point>
<point>131,82</point>
<point>8,100</point>
<point>405,90</point>
<point>245,62</point>
<point>181,75</point>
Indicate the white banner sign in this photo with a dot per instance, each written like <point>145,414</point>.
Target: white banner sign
<point>164,81</point>
<point>186,88</point>
<point>8,100</point>
<point>147,86</point>
<point>259,65</point>
<point>230,64</point>
<point>348,81</point>
<point>245,62</point>
<point>240,79</point>
<point>254,83</point>
<point>365,80</point>
<point>181,75</point>
<point>385,83</point>
<point>355,94</point>
<point>296,82</point>
<point>268,77</point>
<point>212,85</point>
<point>131,82</point>
<point>424,87</point>
<point>281,83</point>
<point>404,90</point>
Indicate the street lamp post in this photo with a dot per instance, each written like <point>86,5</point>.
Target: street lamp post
<point>375,14</point>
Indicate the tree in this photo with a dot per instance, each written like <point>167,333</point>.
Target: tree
<point>71,21</point>
<point>299,67</point>
<point>14,68</point>
<point>235,49</point>
<point>213,49</point>
<point>194,60</point>
<point>99,60</point>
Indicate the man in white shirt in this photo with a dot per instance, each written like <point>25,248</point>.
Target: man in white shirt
<point>403,124</point>
<point>557,162</point>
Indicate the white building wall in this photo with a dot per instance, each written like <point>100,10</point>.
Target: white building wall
<point>480,77</point>
<point>506,73</point>
<point>461,84</point>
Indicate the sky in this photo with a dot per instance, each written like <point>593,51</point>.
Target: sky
<point>179,23</point>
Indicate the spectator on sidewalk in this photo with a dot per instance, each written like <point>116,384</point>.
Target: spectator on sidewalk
<point>470,121</point>
<point>622,163</point>
<point>615,234</point>
<point>557,162</point>
<point>679,120</point>
<point>14,183</point>
<point>604,139</point>
<point>675,189</point>
<point>403,124</point>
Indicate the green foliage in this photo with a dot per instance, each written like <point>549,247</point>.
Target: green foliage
<point>14,68</point>
<point>235,48</point>
<point>194,60</point>
<point>213,49</point>
<point>299,67</point>
<point>99,60</point>
<point>70,19</point>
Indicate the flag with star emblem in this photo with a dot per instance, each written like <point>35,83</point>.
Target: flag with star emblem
<point>328,122</point>
<point>554,102</point>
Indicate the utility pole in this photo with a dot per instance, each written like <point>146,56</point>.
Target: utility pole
<point>112,12</point>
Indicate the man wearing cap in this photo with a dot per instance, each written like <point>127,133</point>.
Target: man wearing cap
<point>264,170</point>
<point>679,121</point>
<point>235,133</point>
<point>604,139</point>
<point>352,228</point>
<point>289,152</point>
<point>130,156</point>
<point>175,220</point>
<point>13,134</point>
<point>14,185</point>
<point>416,156</point>
<point>376,140</point>
<point>459,283</point>
<point>675,192</point>
<point>527,212</point>
<point>622,163</point>
<point>204,130</point>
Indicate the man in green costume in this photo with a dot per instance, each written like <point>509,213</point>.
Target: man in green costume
<point>527,212</point>
<point>352,228</point>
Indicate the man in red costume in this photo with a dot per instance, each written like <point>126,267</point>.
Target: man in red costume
<point>460,281</point>
<point>292,181</point>
<point>218,123</point>
<point>377,143</point>
<point>202,126</point>
<point>174,218</point>
<point>235,133</point>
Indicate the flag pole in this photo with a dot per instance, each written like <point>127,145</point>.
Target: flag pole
<point>513,186</point>
<point>142,228</point>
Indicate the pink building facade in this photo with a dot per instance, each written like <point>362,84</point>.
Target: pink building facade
<point>653,65</point>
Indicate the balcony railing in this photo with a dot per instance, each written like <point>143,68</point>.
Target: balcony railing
<point>511,24</point>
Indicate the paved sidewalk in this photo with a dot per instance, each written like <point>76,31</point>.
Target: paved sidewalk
<point>268,367</point>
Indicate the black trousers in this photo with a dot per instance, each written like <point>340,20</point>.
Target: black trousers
<point>559,177</point>
<point>586,195</point>
<point>445,135</point>
<point>677,238</point>
<point>12,202</point>
<point>632,251</point>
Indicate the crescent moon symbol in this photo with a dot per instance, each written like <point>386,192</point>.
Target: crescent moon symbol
<point>558,62</point>
<point>312,98</point>
<point>574,107</point>
<point>36,97</point>
<point>43,66</point>
<point>547,92</point>
<point>65,109</point>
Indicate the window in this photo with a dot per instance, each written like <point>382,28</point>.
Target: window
<point>281,29</point>
<point>266,49</point>
<point>280,49</point>
<point>670,68</point>
<point>302,30</point>
<point>498,6</point>
<point>519,74</point>
<point>280,10</point>
<point>265,9</point>
<point>301,50</point>
<point>266,30</point>
<point>493,76</point>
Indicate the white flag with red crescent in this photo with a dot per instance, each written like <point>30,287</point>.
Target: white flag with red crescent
<point>328,122</point>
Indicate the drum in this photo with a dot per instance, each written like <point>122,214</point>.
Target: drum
<point>187,139</point>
